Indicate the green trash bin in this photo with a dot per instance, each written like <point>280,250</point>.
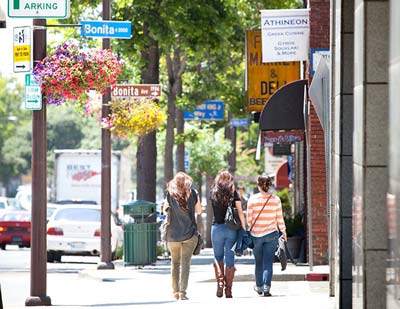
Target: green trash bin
<point>140,236</point>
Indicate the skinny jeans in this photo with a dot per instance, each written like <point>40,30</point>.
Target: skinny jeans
<point>223,238</point>
<point>264,253</point>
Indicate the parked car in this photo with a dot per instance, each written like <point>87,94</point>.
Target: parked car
<point>75,229</point>
<point>15,228</point>
<point>50,209</point>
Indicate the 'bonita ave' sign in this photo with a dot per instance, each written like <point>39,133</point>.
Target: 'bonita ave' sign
<point>106,29</point>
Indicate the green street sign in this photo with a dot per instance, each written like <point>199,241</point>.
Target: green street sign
<point>33,93</point>
<point>39,9</point>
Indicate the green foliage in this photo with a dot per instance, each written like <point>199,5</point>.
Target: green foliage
<point>295,226</point>
<point>207,152</point>
<point>284,195</point>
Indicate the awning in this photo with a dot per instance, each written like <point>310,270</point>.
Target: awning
<point>284,109</point>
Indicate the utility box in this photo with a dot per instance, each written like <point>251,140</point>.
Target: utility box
<point>140,236</point>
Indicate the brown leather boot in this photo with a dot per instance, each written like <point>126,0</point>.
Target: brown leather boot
<point>219,276</point>
<point>229,275</point>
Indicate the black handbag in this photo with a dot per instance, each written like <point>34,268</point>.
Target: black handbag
<point>232,217</point>
<point>199,246</point>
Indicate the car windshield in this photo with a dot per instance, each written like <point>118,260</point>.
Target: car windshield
<point>17,216</point>
<point>78,214</point>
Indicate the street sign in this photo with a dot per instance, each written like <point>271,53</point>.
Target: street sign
<point>209,110</point>
<point>106,29</point>
<point>239,122</point>
<point>187,160</point>
<point>33,93</point>
<point>22,49</point>
<point>136,91</point>
<point>38,9</point>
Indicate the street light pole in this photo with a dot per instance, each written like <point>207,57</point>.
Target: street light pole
<point>105,250</point>
<point>39,185</point>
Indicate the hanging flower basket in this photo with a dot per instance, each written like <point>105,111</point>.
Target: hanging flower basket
<point>129,117</point>
<point>69,74</point>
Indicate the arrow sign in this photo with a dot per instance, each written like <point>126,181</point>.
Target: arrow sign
<point>22,49</point>
<point>33,93</point>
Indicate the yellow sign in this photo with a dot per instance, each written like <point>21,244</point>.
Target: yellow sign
<point>22,53</point>
<point>263,79</point>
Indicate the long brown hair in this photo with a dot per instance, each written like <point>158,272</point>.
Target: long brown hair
<point>223,188</point>
<point>179,189</point>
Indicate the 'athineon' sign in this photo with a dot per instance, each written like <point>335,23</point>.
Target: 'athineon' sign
<point>285,35</point>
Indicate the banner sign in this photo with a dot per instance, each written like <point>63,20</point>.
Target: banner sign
<point>282,136</point>
<point>209,110</point>
<point>263,79</point>
<point>285,35</point>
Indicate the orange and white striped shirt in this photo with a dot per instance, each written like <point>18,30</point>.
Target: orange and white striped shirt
<point>270,218</point>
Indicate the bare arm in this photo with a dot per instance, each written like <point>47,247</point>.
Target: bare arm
<point>197,207</point>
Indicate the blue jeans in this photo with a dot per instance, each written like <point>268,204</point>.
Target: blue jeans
<point>264,251</point>
<point>223,239</point>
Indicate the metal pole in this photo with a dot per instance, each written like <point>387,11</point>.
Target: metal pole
<point>38,295</point>
<point>105,254</point>
<point>309,197</point>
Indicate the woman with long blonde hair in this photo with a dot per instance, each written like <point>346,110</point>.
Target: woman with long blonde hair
<point>181,204</point>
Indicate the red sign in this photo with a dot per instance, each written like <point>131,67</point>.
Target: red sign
<point>136,91</point>
<point>281,137</point>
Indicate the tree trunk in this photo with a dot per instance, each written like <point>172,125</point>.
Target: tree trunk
<point>180,148</point>
<point>209,211</point>
<point>147,150</point>
<point>230,133</point>
<point>175,69</point>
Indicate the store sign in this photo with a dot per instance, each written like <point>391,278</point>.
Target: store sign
<point>285,35</point>
<point>39,9</point>
<point>282,137</point>
<point>263,79</point>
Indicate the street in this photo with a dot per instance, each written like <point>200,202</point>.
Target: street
<point>76,283</point>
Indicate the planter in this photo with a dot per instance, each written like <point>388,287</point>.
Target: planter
<point>294,246</point>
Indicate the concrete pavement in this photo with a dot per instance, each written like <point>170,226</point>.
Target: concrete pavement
<point>150,287</point>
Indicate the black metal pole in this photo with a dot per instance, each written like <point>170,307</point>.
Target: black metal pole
<point>38,295</point>
<point>105,255</point>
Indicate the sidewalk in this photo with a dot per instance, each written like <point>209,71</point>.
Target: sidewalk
<point>244,270</point>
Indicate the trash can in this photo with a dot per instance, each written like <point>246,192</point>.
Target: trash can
<point>140,235</point>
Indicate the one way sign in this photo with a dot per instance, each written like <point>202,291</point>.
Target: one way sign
<point>22,49</point>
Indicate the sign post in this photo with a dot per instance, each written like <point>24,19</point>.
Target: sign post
<point>22,49</point>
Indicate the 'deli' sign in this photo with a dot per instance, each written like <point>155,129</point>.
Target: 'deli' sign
<point>263,79</point>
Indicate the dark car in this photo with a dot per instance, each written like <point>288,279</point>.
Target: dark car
<point>15,228</point>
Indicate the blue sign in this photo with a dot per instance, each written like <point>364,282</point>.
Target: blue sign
<point>209,110</point>
<point>239,122</point>
<point>106,29</point>
<point>316,54</point>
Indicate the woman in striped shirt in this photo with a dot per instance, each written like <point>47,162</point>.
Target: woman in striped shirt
<point>264,215</point>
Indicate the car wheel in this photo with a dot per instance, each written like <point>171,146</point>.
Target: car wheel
<point>50,256</point>
<point>3,246</point>
<point>57,257</point>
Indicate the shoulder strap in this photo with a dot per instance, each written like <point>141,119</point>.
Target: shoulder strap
<point>260,212</point>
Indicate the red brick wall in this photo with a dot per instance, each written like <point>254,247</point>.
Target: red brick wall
<point>319,38</point>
